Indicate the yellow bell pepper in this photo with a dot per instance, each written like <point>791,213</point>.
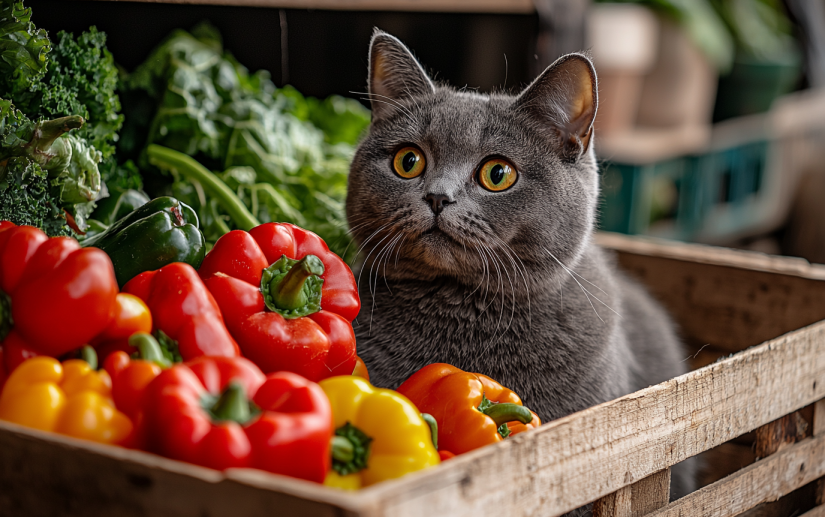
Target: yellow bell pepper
<point>69,398</point>
<point>379,434</point>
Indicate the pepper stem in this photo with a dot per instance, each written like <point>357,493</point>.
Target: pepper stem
<point>430,420</point>
<point>292,288</point>
<point>6,321</point>
<point>342,449</point>
<point>501,413</point>
<point>149,349</point>
<point>288,291</point>
<point>233,405</point>
<point>352,456</point>
<point>89,355</point>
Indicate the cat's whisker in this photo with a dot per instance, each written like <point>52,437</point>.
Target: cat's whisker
<point>374,288</point>
<point>389,101</point>
<point>411,119</point>
<point>588,294</point>
<point>522,270</point>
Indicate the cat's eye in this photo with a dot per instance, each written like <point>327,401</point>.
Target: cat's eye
<point>409,162</point>
<point>497,174</point>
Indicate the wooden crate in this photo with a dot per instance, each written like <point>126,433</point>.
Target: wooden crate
<point>617,454</point>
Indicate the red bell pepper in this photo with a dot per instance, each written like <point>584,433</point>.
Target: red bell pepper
<point>54,296</point>
<point>223,413</point>
<point>287,299</point>
<point>183,310</point>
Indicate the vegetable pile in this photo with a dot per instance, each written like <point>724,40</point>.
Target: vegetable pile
<point>181,325</point>
<point>247,362</point>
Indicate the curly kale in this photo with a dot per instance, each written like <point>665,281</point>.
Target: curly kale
<point>23,50</point>
<point>47,178</point>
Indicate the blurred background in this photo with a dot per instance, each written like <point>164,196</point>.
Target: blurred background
<point>710,127</point>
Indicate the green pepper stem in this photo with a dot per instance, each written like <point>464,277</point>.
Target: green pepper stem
<point>149,349</point>
<point>508,412</point>
<point>232,405</point>
<point>342,449</point>
<point>166,158</point>
<point>433,427</point>
<point>89,355</point>
<point>288,292</point>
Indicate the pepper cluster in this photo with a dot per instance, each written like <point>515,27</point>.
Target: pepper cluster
<point>244,358</point>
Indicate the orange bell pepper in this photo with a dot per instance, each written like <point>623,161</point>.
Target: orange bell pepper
<point>70,398</point>
<point>360,369</point>
<point>472,410</point>
<point>130,316</point>
<point>130,377</point>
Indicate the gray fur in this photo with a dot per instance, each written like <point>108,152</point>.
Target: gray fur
<point>477,286</point>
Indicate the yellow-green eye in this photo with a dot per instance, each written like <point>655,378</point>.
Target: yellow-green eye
<point>409,162</point>
<point>497,175</point>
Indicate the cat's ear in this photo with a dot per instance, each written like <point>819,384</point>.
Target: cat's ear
<point>394,74</point>
<point>563,100</point>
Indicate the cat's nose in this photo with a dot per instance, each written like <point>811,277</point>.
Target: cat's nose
<point>437,202</point>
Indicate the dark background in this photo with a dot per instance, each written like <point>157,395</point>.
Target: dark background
<point>326,51</point>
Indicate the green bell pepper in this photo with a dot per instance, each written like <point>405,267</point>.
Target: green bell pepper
<point>158,233</point>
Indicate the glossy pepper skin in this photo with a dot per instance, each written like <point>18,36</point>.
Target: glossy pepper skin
<point>453,397</point>
<point>158,233</point>
<point>69,398</point>
<point>130,377</point>
<point>54,296</point>
<point>130,316</point>
<point>401,441</point>
<point>200,412</point>
<point>313,338</point>
<point>183,309</point>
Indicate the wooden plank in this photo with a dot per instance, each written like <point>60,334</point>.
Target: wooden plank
<point>638,499</point>
<point>819,511</point>
<point>766,480</point>
<point>819,417</point>
<point>587,455</point>
<point>782,432</point>
<point>45,474</point>
<point>453,6</point>
<point>728,298</point>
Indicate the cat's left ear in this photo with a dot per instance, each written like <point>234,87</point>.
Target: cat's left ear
<point>394,74</point>
<point>564,99</point>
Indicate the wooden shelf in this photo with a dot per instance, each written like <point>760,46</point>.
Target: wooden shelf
<point>456,6</point>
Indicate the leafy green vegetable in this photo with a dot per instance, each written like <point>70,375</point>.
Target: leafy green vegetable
<point>286,157</point>
<point>75,79</point>
<point>23,49</point>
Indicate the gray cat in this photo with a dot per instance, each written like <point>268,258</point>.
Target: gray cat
<point>475,214</point>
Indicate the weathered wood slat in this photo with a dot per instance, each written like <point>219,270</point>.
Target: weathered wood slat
<point>819,511</point>
<point>766,480</point>
<point>590,454</point>
<point>638,499</point>
<point>782,432</point>
<point>730,299</point>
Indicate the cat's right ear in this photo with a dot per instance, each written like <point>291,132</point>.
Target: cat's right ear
<point>563,101</point>
<point>394,74</point>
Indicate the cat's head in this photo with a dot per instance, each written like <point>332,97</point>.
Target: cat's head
<point>459,184</point>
